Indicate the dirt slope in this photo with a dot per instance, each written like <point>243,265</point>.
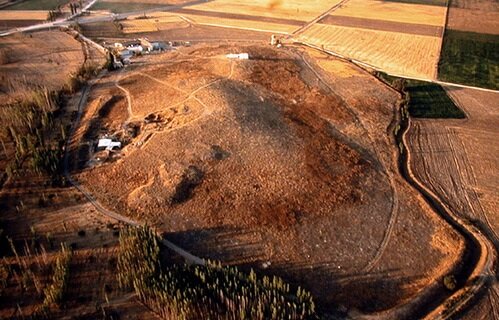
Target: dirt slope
<point>275,159</point>
<point>457,160</point>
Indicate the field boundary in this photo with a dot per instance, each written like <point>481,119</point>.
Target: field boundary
<point>369,66</point>
<point>446,19</point>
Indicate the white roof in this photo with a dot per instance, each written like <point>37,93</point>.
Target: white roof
<point>108,144</point>
<point>242,56</point>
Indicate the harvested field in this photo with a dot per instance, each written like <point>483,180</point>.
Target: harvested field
<point>120,6</point>
<point>264,15</point>
<point>46,59</point>
<point>23,15</point>
<point>394,11</point>
<point>14,19</point>
<point>293,9</point>
<point>37,5</point>
<point>478,16</point>
<point>153,23</point>
<point>457,160</point>
<point>398,38</point>
<point>393,52</point>
<point>281,163</point>
<point>244,22</point>
<point>470,52</point>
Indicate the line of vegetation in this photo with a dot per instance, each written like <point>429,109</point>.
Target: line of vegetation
<point>35,272</point>
<point>425,99</point>
<point>54,293</point>
<point>212,291</point>
<point>470,58</point>
<point>30,124</point>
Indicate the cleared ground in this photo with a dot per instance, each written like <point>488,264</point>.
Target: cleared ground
<point>21,18</point>
<point>479,16</point>
<point>457,160</point>
<point>397,37</point>
<point>275,159</point>
<point>42,59</point>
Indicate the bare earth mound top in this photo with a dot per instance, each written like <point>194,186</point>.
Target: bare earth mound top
<point>257,161</point>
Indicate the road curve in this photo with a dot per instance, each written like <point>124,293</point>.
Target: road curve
<point>189,258</point>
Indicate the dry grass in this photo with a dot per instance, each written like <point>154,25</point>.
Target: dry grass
<point>23,15</point>
<point>276,168</point>
<point>289,9</point>
<point>242,24</point>
<point>393,52</point>
<point>474,16</point>
<point>394,11</point>
<point>46,59</point>
<point>154,23</point>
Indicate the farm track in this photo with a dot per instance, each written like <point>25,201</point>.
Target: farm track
<point>320,17</point>
<point>192,95</point>
<point>98,206</point>
<point>395,197</point>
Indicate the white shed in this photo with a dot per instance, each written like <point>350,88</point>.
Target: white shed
<point>108,144</point>
<point>240,56</point>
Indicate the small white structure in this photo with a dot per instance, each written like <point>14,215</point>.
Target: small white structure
<point>118,45</point>
<point>108,144</point>
<point>135,49</point>
<point>240,56</point>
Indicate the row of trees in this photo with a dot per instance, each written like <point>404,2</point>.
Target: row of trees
<point>29,124</point>
<point>212,291</point>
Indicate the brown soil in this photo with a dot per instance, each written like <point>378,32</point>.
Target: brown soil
<point>480,16</point>
<point>276,165</point>
<point>455,159</point>
<point>41,59</point>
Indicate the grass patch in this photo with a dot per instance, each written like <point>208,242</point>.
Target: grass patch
<point>470,58</point>
<point>426,99</point>
<point>121,7</point>
<point>37,5</point>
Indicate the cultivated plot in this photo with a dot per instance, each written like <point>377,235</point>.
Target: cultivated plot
<point>470,52</point>
<point>399,38</point>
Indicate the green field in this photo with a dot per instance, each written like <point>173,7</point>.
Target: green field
<point>426,99</point>
<point>429,100</point>
<point>120,7</point>
<point>37,5</point>
<point>470,58</point>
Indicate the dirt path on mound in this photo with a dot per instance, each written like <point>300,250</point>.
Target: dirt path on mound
<point>395,197</point>
<point>189,258</point>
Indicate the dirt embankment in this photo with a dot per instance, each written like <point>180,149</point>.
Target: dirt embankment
<point>281,159</point>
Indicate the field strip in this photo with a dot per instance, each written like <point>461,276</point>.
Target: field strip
<point>395,197</point>
<point>190,258</point>
<point>382,25</point>
<point>320,17</point>
<point>365,65</point>
<point>237,16</point>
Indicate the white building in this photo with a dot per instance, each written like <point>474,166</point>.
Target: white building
<point>108,144</point>
<point>240,56</point>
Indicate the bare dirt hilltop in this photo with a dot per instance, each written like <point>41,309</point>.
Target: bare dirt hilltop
<point>284,162</point>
